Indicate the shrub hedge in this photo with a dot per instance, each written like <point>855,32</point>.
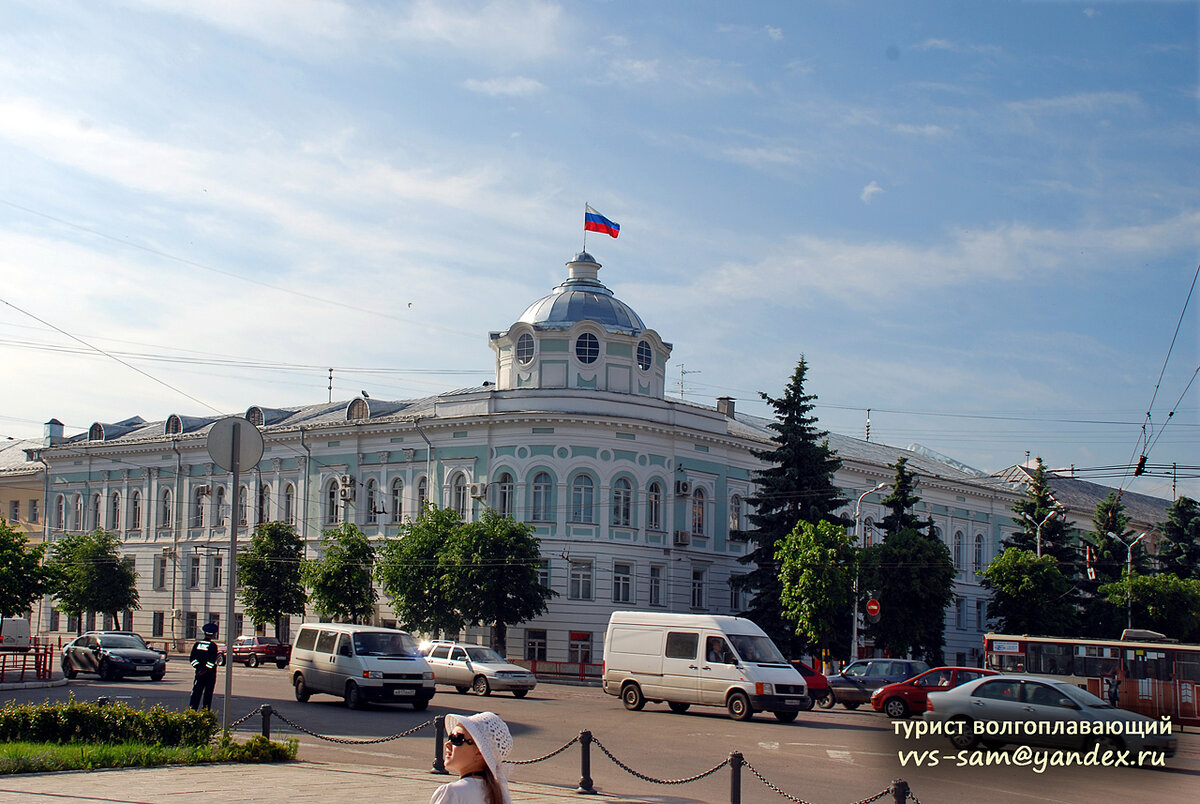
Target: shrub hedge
<point>85,722</point>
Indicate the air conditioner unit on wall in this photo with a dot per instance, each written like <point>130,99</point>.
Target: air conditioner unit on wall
<point>177,614</point>
<point>479,490</point>
<point>682,538</point>
<point>683,488</point>
<point>347,493</point>
<point>347,481</point>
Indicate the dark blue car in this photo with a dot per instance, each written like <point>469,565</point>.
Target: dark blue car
<point>854,685</point>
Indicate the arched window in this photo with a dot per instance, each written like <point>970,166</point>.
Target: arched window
<point>958,549</point>
<point>357,409</point>
<point>583,497</point>
<point>587,348</point>
<point>654,499</point>
<point>422,495</point>
<point>735,512</point>
<point>525,349</point>
<point>978,551</point>
<point>114,511</point>
<point>504,494</point>
<point>397,499</point>
<point>264,503</point>
<point>60,511</point>
<point>542,489</point>
<point>198,507</point>
<point>243,506</point>
<point>372,502</point>
<point>221,508</point>
<point>166,511</point>
<point>644,356</point>
<point>135,510</point>
<point>77,524</point>
<point>289,504</point>
<point>622,503</point>
<point>331,501</point>
<point>868,531</point>
<point>698,502</point>
<point>459,495</point>
<point>96,511</point>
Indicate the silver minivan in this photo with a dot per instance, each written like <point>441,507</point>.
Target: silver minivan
<point>360,663</point>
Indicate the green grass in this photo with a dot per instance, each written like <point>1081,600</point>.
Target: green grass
<point>20,757</point>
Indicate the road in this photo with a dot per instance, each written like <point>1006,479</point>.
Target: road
<point>834,757</point>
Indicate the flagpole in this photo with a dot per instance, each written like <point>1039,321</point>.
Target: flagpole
<point>585,206</point>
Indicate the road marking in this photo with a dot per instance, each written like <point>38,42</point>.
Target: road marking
<point>841,756</point>
<point>769,746</point>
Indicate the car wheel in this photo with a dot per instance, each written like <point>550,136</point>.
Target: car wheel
<point>463,690</point>
<point>69,671</point>
<point>739,706</point>
<point>281,665</point>
<point>785,717</point>
<point>157,676</point>
<point>520,693</point>
<point>252,661</point>
<point>302,692</point>
<point>966,738</point>
<point>631,696</point>
<point>354,696</point>
<point>851,705</point>
<point>895,708</point>
<point>221,660</point>
<point>480,686</point>
<point>826,701</point>
<point>104,671</point>
<point>420,706</point>
<point>808,705</point>
<point>679,707</point>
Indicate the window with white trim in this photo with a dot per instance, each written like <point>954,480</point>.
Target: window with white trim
<point>698,502</point>
<point>622,589</point>
<point>583,496</point>
<point>656,586</point>
<point>397,499</point>
<point>504,494</point>
<point>459,495</point>
<point>372,502</point>
<point>580,582</point>
<point>289,504</point>
<point>135,510</point>
<point>542,491</point>
<point>699,582</point>
<point>622,503</point>
<point>654,500</point>
<point>114,514</point>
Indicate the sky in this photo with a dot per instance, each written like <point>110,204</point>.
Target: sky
<point>981,220</point>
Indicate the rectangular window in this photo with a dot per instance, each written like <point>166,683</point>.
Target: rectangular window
<point>215,618</point>
<point>73,623</point>
<point>110,622</point>
<point>33,511</point>
<point>190,627</point>
<point>681,645</point>
<point>544,572</point>
<point>980,615</point>
<point>218,572</point>
<point>654,508</point>
<point>699,579</point>
<point>54,619</point>
<point>622,510</point>
<point>157,623</point>
<point>239,620</point>
<point>194,572</point>
<point>737,594</point>
<point>160,572</point>
<point>535,644</point>
<point>14,511</point>
<point>580,586</point>
<point>127,620</point>
<point>960,614</point>
<point>580,647</point>
<point>622,583</point>
<point>656,586</point>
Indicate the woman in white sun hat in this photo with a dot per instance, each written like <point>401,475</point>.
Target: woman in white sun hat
<point>476,748</point>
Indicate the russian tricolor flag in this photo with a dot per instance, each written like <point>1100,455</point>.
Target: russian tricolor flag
<point>593,221</point>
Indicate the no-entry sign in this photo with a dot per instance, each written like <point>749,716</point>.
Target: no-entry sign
<point>873,607</point>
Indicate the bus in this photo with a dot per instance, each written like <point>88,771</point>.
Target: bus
<point>1157,676</point>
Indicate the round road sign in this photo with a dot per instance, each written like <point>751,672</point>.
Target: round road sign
<point>873,607</point>
<point>220,443</point>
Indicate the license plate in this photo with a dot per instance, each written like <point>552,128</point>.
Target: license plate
<point>403,692</point>
<point>145,667</point>
<point>791,702</point>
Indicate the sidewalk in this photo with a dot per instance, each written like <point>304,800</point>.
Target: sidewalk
<point>294,782</point>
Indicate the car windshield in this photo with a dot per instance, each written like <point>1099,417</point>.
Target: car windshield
<point>484,655</point>
<point>1082,696</point>
<point>378,643</point>
<point>122,641</point>
<point>758,649</point>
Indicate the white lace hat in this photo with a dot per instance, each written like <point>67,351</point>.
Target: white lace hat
<point>491,736</point>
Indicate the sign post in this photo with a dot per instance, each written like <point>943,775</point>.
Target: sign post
<point>873,610</point>
<point>232,443</point>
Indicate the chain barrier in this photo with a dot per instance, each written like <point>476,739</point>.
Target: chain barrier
<point>646,778</point>
<point>772,787</point>
<point>878,796</point>
<point>344,741</point>
<point>245,717</point>
<point>547,756</point>
<point>914,798</point>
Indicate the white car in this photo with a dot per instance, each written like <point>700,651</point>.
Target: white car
<point>477,668</point>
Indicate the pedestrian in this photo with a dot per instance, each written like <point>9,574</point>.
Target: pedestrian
<point>476,748</point>
<point>1114,689</point>
<point>204,660</point>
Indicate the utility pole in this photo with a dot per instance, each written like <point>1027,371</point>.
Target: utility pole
<point>682,372</point>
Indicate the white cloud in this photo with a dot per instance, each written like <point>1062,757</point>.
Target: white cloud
<point>927,130</point>
<point>517,86</point>
<point>1080,103</point>
<point>774,33</point>
<point>870,191</point>
<point>934,43</point>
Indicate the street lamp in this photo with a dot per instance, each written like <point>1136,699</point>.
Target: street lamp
<point>1033,521</point>
<point>858,534</point>
<point>1128,577</point>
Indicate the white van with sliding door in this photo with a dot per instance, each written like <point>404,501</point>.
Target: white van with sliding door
<point>686,659</point>
<point>360,663</point>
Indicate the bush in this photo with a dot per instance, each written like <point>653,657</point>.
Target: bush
<point>84,722</point>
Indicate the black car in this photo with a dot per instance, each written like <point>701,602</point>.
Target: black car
<point>112,655</point>
<point>856,682</point>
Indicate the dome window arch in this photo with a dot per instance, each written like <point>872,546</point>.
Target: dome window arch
<point>255,416</point>
<point>587,348</point>
<point>645,357</point>
<point>96,432</point>
<point>174,425</point>
<point>357,409</point>
<point>525,349</point>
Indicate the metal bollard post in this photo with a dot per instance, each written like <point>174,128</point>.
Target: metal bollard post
<point>101,701</point>
<point>735,777</point>
<point>439,737</point>
<point>266,723</point>
<point>899,791</point>
<point>585,765</point>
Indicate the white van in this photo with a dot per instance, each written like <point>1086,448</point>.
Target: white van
<point>14,633</point>
<point>687,659</point>
<point>360,663</point>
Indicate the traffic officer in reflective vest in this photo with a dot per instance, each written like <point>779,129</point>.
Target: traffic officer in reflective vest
<point>204,659</point>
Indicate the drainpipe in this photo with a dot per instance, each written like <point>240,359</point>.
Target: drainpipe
<point>304,497</point>
<point>45,522</point>
<point>428,458</point>
<point>180,508</point>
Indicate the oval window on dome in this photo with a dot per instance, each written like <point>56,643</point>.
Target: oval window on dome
<point>643,355</point>
<point>587,348</point>
<point>525,349</point>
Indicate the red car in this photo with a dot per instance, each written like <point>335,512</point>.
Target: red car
<point>818,685</point>
<point>254,650</point>
<point>906,698</point>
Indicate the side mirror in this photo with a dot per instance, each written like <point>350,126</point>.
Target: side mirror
<point>1067,703</point>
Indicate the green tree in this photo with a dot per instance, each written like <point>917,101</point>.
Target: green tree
<point>797,485</point>
<point>1036,506</point>
<point>490,569</point>
<point>269,573</point>
<point>1029,595</point>
<point>23,579</point>
<point>410,573</point>
<point>900,502</point>
<point>913,578</point>
<point>340,581</point>
<point>1179,549</point>
<point>1105,555</point>
<point>90,574</point>
<point>1163,603</point>
<point>816,573</point>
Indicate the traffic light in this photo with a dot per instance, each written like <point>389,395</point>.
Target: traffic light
<point>1141,467</point>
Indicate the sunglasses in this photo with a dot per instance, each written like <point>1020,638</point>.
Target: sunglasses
<point>457,739</point>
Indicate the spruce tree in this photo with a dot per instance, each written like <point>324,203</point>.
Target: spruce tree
<point>1179,550</point>
<point>796,486</point>
<point>900,502</point>
<point>1036,506</point>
